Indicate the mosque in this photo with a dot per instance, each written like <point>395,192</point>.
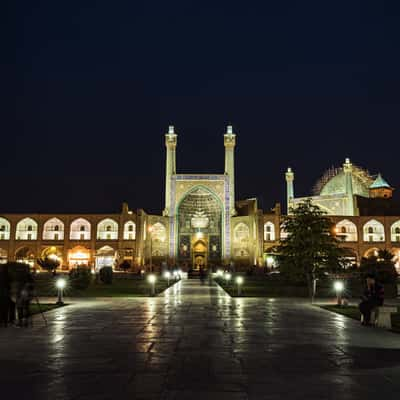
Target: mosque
<point>203,224</point>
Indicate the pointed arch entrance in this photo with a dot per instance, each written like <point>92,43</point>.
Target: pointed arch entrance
<point>199,222</point>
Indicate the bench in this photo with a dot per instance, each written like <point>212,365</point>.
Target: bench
<point>381,316</point>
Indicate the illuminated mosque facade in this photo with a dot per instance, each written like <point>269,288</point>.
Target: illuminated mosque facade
<point>203,224</point>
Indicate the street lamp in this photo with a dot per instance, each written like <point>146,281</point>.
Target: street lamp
<point>227,277</point>
<point>152,280</point>
<point>239,282</point>
<point>60,284</point>
<point>167,276</point>
<point>339,287</point>
<point>151,247</point>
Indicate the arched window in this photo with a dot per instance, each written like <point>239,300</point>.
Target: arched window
<point>129,230</point>
<point>107,229</point>
<point>80,229</point>
<point>26,229</point>
<point>346,231</point>
<point>4,229</point>
<point>53,229</point>
<point>158,238</point>
<point>241,238</point>
<point>395,232</point>
<point>374,231</point>
<point>269,231</point>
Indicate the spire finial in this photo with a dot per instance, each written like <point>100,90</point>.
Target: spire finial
<point>229,130</point>
<point>171,129</point>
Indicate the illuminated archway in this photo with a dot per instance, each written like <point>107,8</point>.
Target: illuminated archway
<point>107,229</point>
<point>80,229</point>
<point>241,240</point>
<point>346,230</point>
<point>159,240</point>
<point>395,232</point>
<point>53,229</point>
<point>129,230</point>
<point>25,255</point>
<point>269,231</point>
<point>3,256</point>
<point>374,231</point>
<point>199,215</point>
<point>4,229</point>
<point>26,229</point>
<point>78,256</point>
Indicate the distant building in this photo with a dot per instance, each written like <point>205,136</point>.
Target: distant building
<point>203,225</point>
<point>367,217</point>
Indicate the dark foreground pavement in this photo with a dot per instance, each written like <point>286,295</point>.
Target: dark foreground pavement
<point>195,342</point>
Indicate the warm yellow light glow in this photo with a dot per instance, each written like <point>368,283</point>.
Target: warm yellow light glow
<point>151,278</point>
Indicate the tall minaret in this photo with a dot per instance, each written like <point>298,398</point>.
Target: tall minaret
<point>170,165</point>
<point>348,172</point>
<point>229,143</point>
<point>289,188</point>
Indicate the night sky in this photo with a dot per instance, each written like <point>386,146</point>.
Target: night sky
<point>88,89</point>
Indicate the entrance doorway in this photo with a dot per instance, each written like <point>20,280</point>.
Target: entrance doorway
<point>199,254</point>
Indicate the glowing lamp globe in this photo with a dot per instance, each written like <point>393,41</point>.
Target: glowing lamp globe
<point>61,283</point>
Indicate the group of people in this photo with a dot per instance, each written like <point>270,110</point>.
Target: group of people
<point>15,298</point>
<point>373,297</point>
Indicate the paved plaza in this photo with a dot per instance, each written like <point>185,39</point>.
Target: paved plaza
<point>195,342</point>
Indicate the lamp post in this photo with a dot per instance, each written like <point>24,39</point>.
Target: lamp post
<point>227,277</point>
<point>151,247</point>
<point>167,275</point>
<point>60,284</point>
<point>152,280</point>
<point>338,286</point>
<point>239,282</point>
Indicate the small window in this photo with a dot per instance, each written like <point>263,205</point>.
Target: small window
<point>29,227</point>
<point>29,236</point>
<point>56,236</point>
<point>130,236</point>
<point>397,230</point>
<point>370,238</point>
<point>370,229</point>
<point>343,229</point>
<point>56,228</point>
<point>108,236</point>
<point>108,228</point>
<point>82,237</point>
<point>130,228</point>
<point>82,228</point>
<point>2,228</point>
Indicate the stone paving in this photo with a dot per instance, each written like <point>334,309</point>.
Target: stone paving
<point>195,342</point>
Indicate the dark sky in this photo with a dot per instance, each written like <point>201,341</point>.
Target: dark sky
<point>89,89</point>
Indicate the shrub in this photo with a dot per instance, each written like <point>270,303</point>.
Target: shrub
<point>80,278</point>
<point>106,275</point>
<point>125,265</point>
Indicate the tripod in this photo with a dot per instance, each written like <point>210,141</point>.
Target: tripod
<point>40,310</point>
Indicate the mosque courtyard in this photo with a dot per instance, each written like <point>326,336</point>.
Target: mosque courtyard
<point>196,342</point>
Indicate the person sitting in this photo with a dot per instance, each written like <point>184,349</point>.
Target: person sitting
<point>373,297</point>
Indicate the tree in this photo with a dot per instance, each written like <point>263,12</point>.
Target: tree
<point>309,246</point>
<point>382,265</point>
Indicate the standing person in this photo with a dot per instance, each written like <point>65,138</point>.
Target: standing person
<point>4,295</point>
<point>373,297</point>
<point>24,297</point>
